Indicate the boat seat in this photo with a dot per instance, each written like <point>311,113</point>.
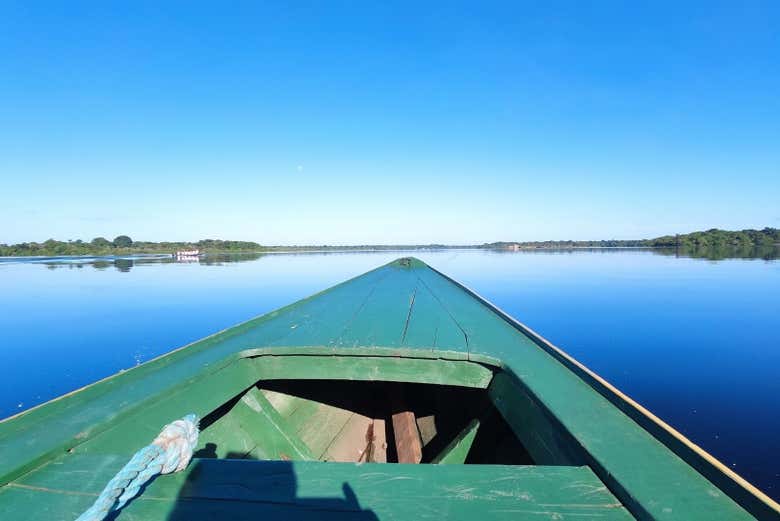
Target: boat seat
<point>268,490</point>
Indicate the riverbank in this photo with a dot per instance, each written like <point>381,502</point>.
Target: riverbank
<point>713,239</point>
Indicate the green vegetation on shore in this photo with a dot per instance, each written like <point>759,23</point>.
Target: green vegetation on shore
<point>719,239</point>
<point>713,238</point>
<point>124,245</point>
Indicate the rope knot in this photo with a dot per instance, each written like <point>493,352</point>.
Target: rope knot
<point>170,451</point>
<point>178,439</point>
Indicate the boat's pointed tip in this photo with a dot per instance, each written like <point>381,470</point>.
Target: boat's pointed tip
<point>409,262</point>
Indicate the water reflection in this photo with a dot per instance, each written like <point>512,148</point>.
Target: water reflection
<point>717,253</point>
<point>711,253</point>
<point>126,263</point>
<point>218,259</point>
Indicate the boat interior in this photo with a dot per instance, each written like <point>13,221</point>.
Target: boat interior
<point>328,436</point>
<point>384,410</point>
<point>361,421</point>
<point>342,436</point>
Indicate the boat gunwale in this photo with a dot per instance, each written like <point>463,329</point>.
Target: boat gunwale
<point>624,402</point>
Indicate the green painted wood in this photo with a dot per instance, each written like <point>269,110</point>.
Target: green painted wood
<point>283,403</point>
<point>458,449</point>
<point>428,326</point>
<point>203,395</point>
<point>113,413</point>
<point>350,444</point>
<point>639,463</point>
<point>323,321</point>
<point>382,317</point>
<point>647,476</point>
<point>320,428</point>
<point>539,432</point>
<point>316,424</point>
<point>225,439</point>
<point>300,416</point>
<point>272,436</point>
<point>415,370</point>
<point>242,489</point>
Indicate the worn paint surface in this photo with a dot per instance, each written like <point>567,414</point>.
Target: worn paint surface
<point>404,310</point>
<point>457,450</point>
<point>241,489</point>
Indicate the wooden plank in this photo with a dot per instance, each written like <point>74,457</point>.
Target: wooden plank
<point>299,416</point>
<point>373,368</point>
<point>353,442</point>
<point>273,436</point>
<point>426,425</point>
<point>348,442</point>
<point>284,404</point>
<point>244,490</point>
<point>333,434</point>
<point>320,426</point>
<point>378,452</point>
<point>408,444</point>
<point>458,449</point>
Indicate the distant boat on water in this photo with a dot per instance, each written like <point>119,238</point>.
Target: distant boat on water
<point>187,254</point>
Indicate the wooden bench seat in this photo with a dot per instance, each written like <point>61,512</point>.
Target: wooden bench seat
<point>266,490</point>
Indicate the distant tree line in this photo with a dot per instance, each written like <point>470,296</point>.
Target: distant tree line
<point>713,238</point>
<point>124,245</point>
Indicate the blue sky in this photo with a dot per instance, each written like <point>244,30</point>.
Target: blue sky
<point>402,123</point>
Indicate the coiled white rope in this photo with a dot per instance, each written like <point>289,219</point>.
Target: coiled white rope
<point>170,451</point>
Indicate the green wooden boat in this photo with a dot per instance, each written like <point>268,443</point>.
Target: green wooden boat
<point>307,411</point>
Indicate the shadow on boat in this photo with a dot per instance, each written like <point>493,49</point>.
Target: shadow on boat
<point>243,489</point>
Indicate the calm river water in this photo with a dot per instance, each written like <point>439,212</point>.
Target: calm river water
<point>695,341</point>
